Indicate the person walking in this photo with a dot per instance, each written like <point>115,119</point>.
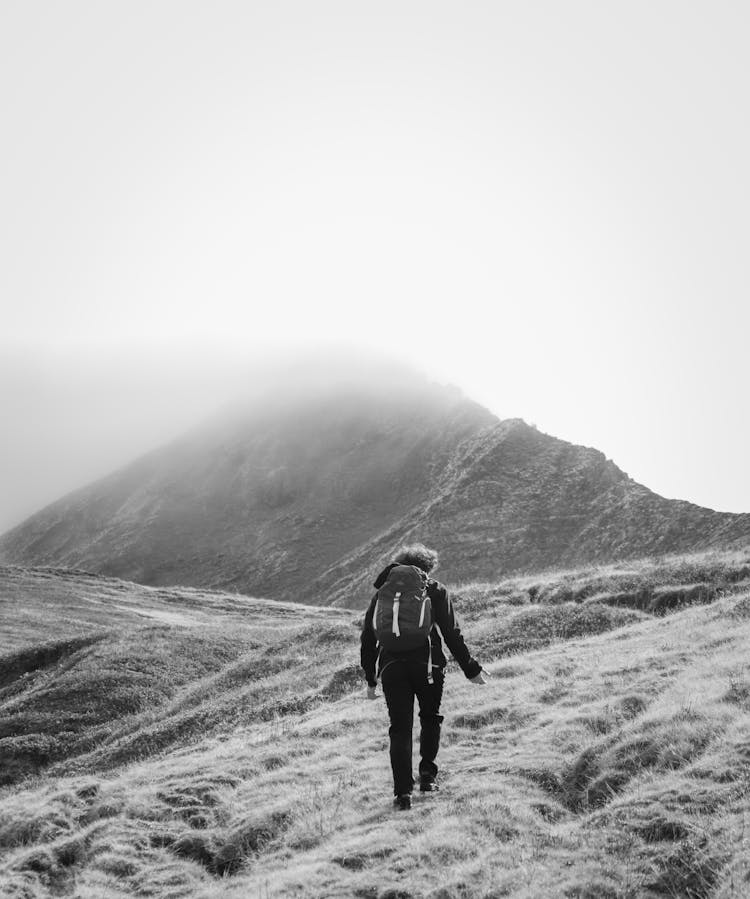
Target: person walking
<point>400,646</point>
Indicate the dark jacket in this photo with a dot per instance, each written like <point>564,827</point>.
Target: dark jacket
<point>443,622</point>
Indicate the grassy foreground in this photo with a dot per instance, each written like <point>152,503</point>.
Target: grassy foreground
<point>229,752</point>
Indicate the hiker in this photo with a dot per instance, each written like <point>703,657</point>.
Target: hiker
<point>401,648</point>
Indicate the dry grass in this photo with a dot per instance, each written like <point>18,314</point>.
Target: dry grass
<point>598,764</point>
<point>657,586</point>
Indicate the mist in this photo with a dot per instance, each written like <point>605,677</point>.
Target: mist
<point>73,417</point>
<point>545,206</point>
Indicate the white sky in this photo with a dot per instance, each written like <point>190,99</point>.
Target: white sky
<point>545,203</point>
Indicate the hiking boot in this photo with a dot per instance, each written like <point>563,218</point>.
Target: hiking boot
<point>403,802</point>
<point>428,784</point>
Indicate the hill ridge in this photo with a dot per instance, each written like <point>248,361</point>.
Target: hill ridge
<point>304,501</point>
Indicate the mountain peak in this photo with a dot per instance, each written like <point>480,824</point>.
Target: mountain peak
<point>304,489</point>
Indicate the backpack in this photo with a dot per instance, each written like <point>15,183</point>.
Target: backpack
<point>403,613</point>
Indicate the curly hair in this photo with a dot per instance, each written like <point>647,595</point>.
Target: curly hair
<point>417,554</point>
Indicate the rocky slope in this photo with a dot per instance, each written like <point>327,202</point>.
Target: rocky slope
<point>303,498</point>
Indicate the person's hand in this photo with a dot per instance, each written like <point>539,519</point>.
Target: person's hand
<point>481,678</point>
<point>372,692</point>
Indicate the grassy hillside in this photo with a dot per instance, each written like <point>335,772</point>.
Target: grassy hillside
<point>133,669</point>
<point>608,757</point>
<point>40,602</point>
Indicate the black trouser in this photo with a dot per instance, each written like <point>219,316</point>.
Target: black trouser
<point>402,681</point>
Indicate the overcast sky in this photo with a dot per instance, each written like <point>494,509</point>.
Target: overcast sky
<point>551,198</point>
